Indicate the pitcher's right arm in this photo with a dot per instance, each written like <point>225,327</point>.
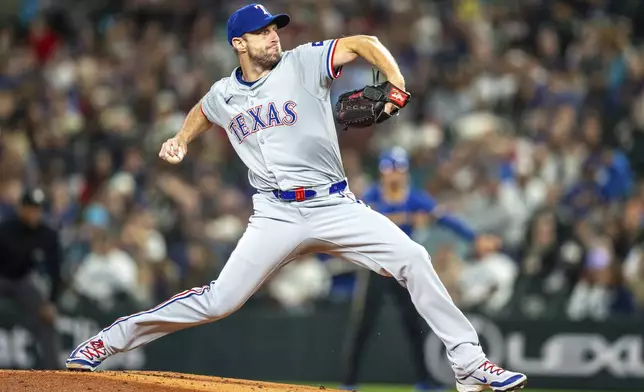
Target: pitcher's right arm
<point>200,119</point>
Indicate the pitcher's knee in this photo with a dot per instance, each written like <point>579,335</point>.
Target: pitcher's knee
<point>219,312</point>
<point>221,305</point>
<point>417,253</point>
<point>413,255</point>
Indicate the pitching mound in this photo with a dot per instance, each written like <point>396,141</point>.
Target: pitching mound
<point>130,381</point>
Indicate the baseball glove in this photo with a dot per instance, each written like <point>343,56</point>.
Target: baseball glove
<point>365,107</point>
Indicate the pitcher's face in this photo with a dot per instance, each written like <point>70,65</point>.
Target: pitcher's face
<point>263,46</point>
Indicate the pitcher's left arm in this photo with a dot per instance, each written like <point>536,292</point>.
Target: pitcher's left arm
<point>373,51</point>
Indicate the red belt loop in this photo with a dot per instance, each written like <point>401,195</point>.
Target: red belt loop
<point>299,194</point>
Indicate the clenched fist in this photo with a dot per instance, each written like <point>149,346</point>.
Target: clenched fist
<point>173,150</point>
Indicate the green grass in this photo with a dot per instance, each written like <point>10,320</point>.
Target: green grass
<point>409,388</point>
<point>378,388</point>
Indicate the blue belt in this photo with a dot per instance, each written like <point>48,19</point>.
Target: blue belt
<point>301,194</point>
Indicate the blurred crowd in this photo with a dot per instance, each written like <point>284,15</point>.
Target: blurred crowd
<point>527,120</point>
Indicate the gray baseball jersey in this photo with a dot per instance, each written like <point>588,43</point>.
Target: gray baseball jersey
<point>286,136</point>
<point>282,128</point>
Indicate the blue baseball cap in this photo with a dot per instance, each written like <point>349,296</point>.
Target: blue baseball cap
<point>252,18</point>
<point>395,159</point>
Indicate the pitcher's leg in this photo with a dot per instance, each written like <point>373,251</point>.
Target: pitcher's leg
<point>367,238</point>
<point>266,245</point>
<point>260,252</point>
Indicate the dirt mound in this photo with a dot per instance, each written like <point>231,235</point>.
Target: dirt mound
<point>130,381</point>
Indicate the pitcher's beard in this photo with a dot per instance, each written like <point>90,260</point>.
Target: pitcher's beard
<point>265,60</point>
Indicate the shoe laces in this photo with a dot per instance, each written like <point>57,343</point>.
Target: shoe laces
<point>94,349</point>
<point>491,368</point>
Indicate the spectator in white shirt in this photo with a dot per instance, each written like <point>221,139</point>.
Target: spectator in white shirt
<point>522,198</point>
<point>106,272</point>
<point>487,282</point>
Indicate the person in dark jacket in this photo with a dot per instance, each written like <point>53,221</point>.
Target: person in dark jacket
<point>27,244</point>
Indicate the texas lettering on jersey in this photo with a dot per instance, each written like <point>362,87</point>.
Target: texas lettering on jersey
<point>277,123</point>
<point>262,117</point>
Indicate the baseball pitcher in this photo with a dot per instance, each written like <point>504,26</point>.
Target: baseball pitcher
<point>276,110</point>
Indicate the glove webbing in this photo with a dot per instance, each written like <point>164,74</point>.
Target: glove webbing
<point>375,73</point>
